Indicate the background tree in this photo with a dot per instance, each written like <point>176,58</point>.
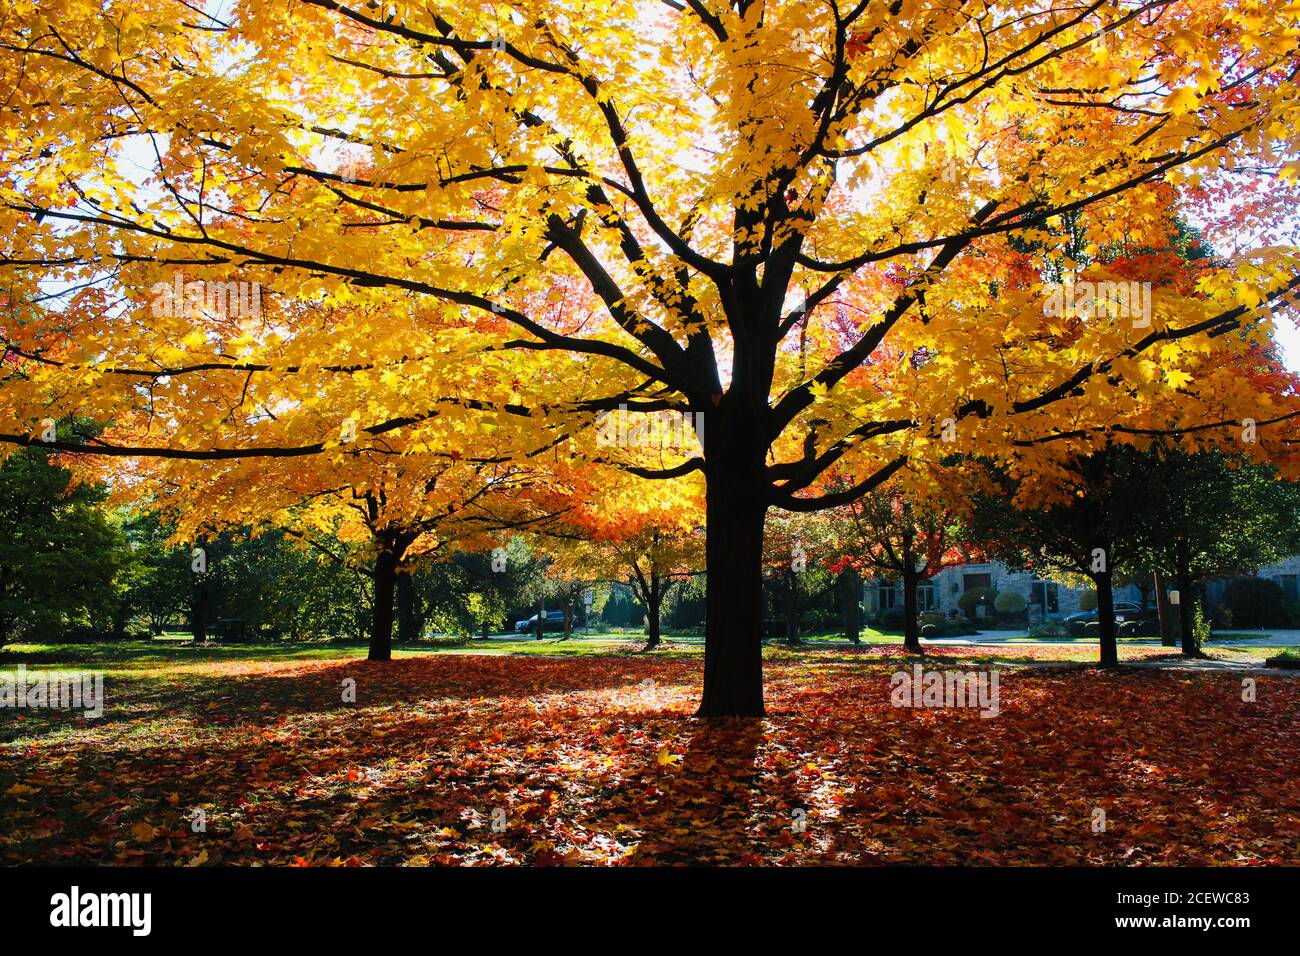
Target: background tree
<point>60,556</point>
<point>620,608</point>
<point>1211,514</point>
<point>795,552</point>
<point>889,535</point>
<point>157,578</point>
<point>1085,527</point>
<point>475,592</point>
<point>619,528</point>
<point>378,514</point>
<point>651,560</point>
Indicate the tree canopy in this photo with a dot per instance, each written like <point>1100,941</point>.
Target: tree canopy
<point>828,233</point>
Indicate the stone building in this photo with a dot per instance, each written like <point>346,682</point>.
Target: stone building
<point>1045,599</point>
<point>1285,572</point>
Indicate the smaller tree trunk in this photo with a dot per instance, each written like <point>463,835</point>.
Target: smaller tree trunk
<point>541,618</point>
<point>1106,629</point>
<point>121,614</point>
<point>649,589</point>
<point>790,593</point>
<point>1187,632</point>
<point>1168,625</point>
<point>850,589</point>
<point>199,612</point>
<point>653,609</point>
<point>406,629</point>
<point>911,624</point>
<point>653,631</point>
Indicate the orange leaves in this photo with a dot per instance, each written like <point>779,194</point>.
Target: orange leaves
<point>143,832</point>
<point>567,227</point>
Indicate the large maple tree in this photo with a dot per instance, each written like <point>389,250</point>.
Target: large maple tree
<point>541,212</point>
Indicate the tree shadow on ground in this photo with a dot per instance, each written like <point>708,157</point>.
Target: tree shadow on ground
<point>216,699</point>
<point>586,767</point>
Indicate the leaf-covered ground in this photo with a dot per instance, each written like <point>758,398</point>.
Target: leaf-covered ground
<point>595,759</point>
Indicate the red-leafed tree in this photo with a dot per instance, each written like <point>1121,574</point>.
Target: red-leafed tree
<point>889,534</point>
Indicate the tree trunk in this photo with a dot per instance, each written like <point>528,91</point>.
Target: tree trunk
<point>199,612</point>
<point>1186,631</point>
<point>911,624</point>
<point>735,511</point>
<point>381,617</point>
<point>405,608</point>
<point>1183,579</point>
<point>541,619</point>
<point>121,615</point>
<point>850,590</point>
<point>647,587</point>
<point>1106,630</point>
<point>1168,626</point>
<point>790,607</point>
<point>652,617</point>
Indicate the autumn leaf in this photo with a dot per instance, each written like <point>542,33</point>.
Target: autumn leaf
<point>143,832</point>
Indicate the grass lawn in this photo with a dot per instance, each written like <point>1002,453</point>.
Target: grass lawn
<point>585,753</point>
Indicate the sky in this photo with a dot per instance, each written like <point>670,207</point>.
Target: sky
<point>1288,339</point>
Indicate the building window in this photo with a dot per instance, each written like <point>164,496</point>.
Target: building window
<point>969,582</point>
<point>1043,593</point>
<point>925,597</point>
<point>886,595</point>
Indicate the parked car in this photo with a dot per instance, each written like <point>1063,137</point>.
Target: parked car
<point>554,622</point>
<point>1124,611</point>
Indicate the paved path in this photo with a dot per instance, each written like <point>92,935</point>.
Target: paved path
<point>1279,638</point>
<point>1274,638</point>
<point>1245,665</point>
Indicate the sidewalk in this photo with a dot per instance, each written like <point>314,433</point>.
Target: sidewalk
<point>1248,665</point>
<point>1271,638</point>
